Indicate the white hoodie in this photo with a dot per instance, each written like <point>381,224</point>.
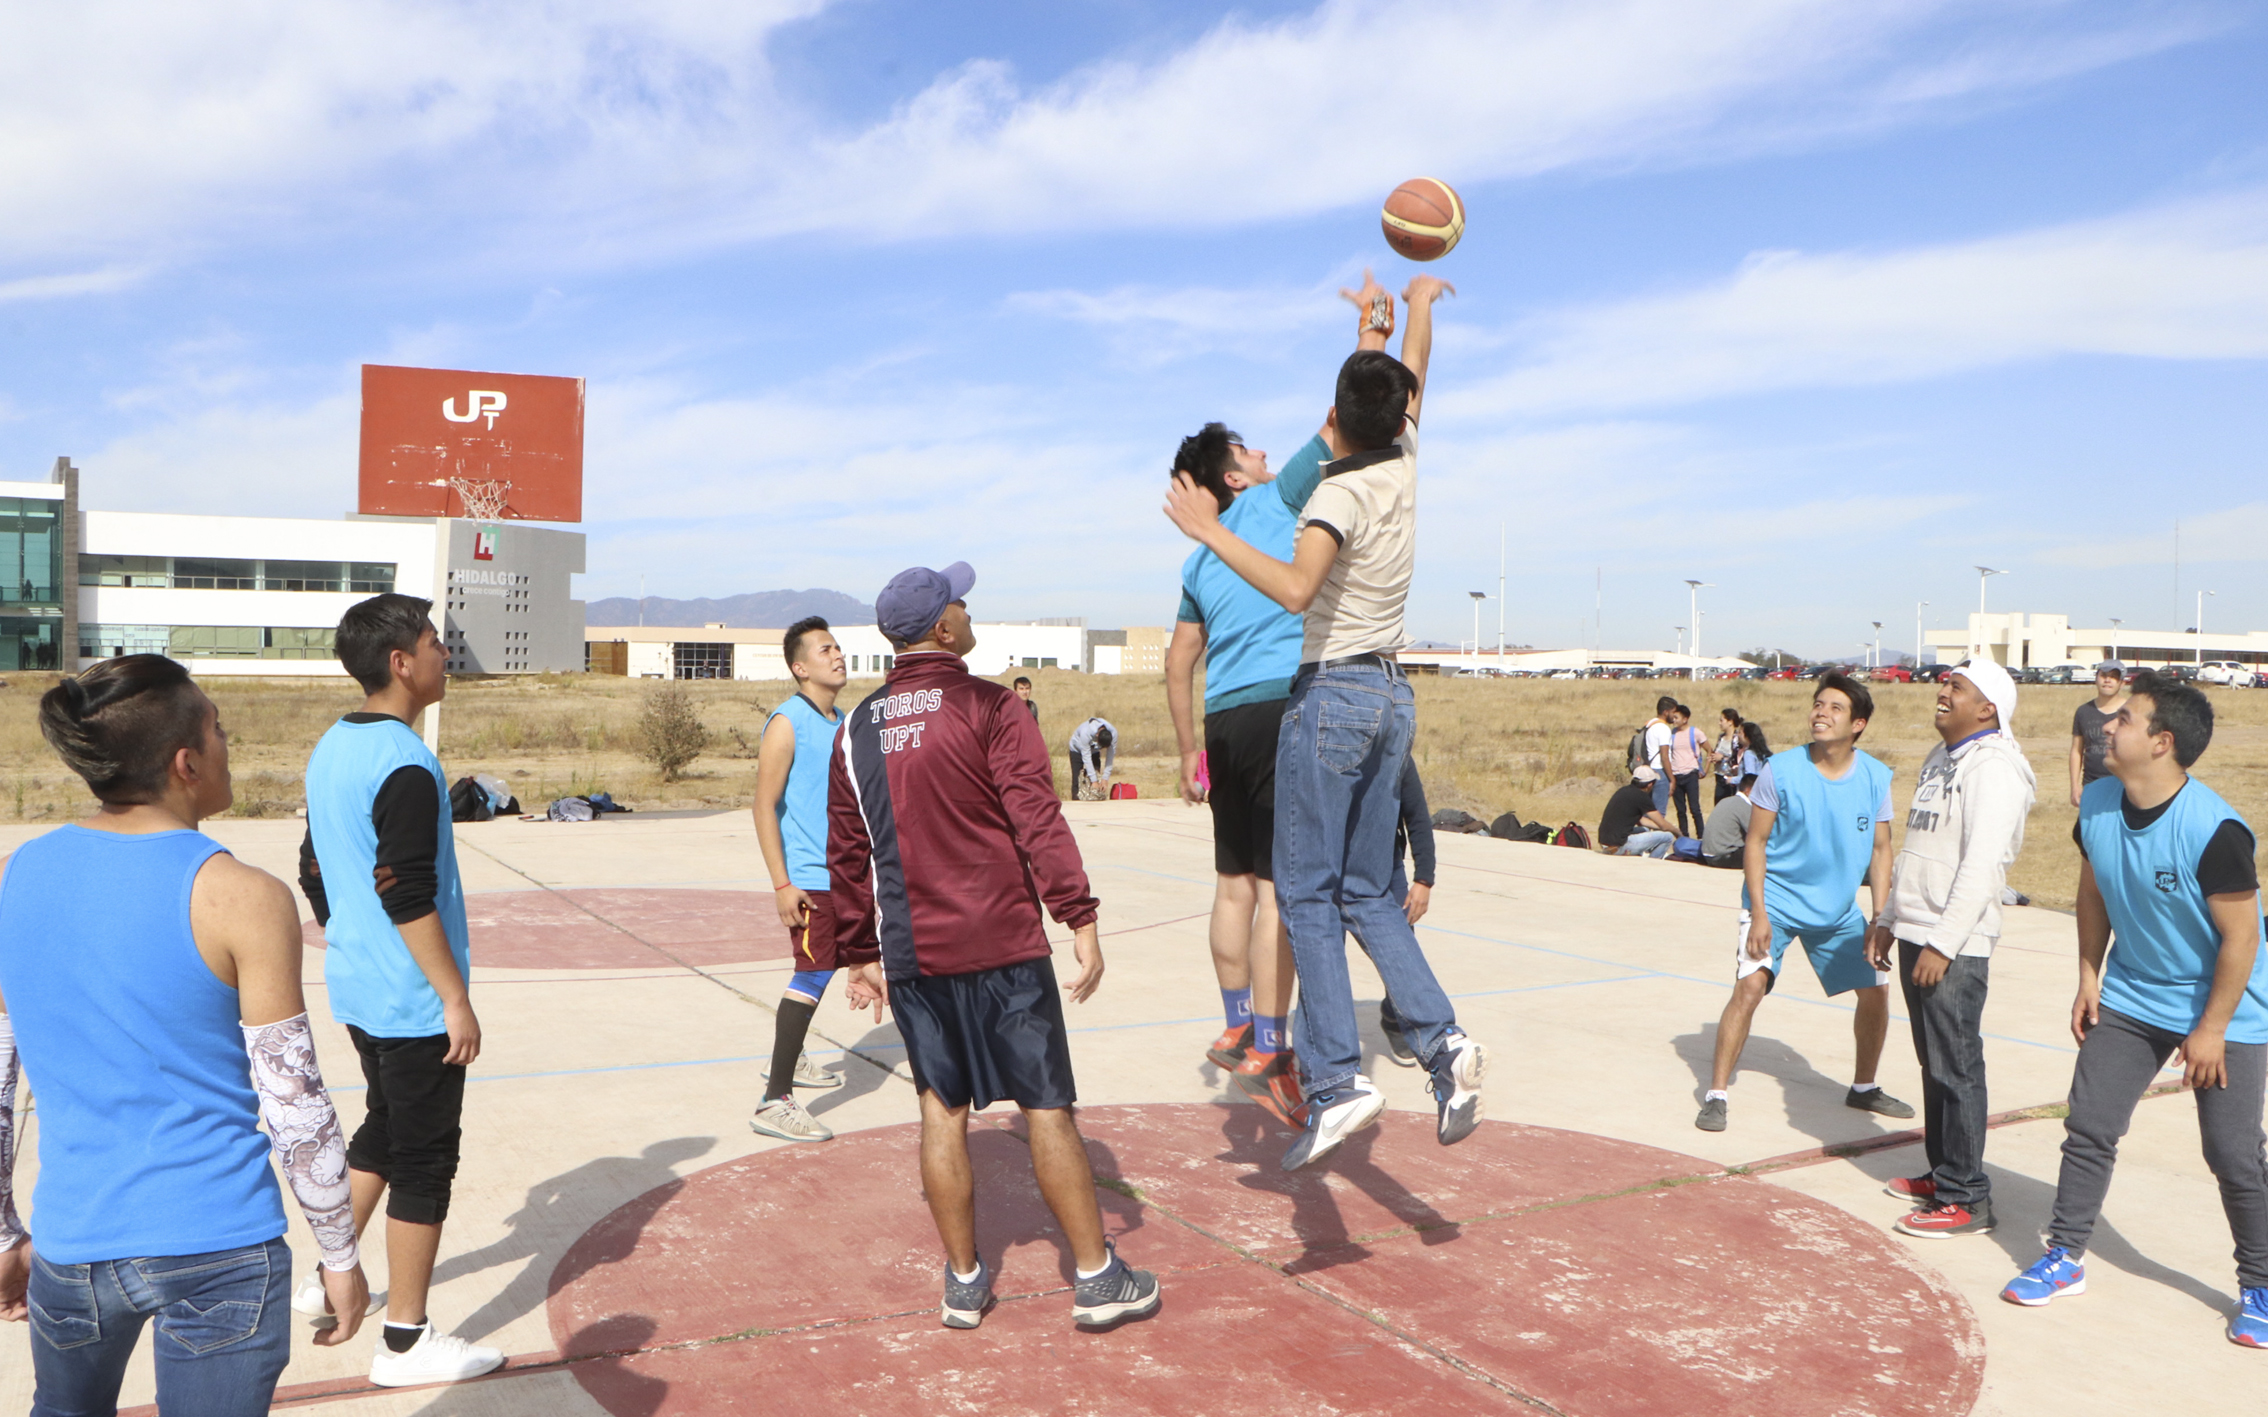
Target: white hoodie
<point>1963,830</point>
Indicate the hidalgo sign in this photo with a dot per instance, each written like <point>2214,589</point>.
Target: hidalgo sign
<point>455,443</point>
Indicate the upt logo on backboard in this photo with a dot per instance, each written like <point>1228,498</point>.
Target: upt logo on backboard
<point>482,403</point>
<point>484,544</point>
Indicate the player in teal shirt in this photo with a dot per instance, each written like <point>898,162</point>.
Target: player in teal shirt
<point>1819,825</point>
<point>1249,646</point>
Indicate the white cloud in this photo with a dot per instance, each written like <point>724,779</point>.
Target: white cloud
<point>2181,282</point>
<point>57,287</point>
<point>2223,534</point>
<point>628,128</point>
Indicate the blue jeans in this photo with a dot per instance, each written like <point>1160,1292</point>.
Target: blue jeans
<point>223,1330</point>
<point>1654,844</point>
<point>1345,740</point>
<point>1659,787</point>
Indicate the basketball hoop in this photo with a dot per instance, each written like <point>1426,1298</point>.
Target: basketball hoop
<point>483,500</point>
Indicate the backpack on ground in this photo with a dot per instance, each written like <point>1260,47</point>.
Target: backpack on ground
<point>1509,827</point>
<point>1574,834</point>
<point>1686,848</point>
<point>570,809</point>
<point>468,802</point>
<point>1120,791</point>
<point>1452,819</point>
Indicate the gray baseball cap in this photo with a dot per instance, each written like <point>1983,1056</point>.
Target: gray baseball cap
<point>2110,666</point>
<point>915,600</point>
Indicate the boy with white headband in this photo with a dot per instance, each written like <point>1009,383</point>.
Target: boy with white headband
<point>1964,828</point>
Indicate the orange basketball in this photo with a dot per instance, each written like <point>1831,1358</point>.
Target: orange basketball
<point>1423,219</point>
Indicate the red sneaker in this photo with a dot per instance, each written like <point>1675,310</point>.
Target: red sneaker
<point>1912,1188</point>
<point>1229,1049</point>
<point>1272,1080</point>
<point>1940,1222</point>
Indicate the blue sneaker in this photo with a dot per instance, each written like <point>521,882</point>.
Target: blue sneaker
<point>2250,1324</point>
<point>2054,1275</point>
<point>965,1303</point>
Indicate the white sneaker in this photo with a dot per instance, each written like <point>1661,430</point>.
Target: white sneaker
<point>1457,1072</point>
<point>310,1302</point>
<point>436,1357</point>
<point>810,1074</point>
<point>784,1117</point>
<point>1332,1117</point>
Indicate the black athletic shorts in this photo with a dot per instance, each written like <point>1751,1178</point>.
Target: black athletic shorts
<point>974,1039</point>
<point>1240,755</point>
<point>412,1124</point>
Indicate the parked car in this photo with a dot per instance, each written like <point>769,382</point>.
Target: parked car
<point>2058,673</point>
<point>1785,671</point>
<point>1932,673</point>
<point>2225,672</point>
<point>1892,674</point>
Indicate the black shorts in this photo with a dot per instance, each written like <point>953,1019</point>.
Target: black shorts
<point>974,1039</point>
<point>1240,756</point>
<point>412,1128</point>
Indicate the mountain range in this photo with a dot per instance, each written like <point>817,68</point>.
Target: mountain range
<point>757,610</point>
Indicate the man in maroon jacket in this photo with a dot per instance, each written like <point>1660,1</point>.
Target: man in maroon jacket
<point>943,838</point>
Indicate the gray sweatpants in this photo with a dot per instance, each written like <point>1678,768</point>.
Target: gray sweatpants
<point>2117,1064</point>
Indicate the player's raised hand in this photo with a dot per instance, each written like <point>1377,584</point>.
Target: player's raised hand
<point>1426,289</point>
<point>1086,947</point>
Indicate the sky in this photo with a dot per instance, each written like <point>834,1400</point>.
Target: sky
<point>1822,302</point>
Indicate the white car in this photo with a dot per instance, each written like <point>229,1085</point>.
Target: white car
<point>2226,672</point>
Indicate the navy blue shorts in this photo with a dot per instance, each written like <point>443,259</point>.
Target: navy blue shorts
<point>974,1039</point>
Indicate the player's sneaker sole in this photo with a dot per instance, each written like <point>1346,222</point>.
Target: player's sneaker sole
<point>1229,1049</point>
<point>1881,1103</point>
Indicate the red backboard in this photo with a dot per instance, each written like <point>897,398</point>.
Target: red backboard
<point>460,443</point>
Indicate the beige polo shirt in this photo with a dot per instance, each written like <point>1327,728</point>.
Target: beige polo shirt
<point>1368,501</point>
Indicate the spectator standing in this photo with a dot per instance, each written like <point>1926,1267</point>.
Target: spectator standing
<point>1652,766</point>
<point>2090,726</point>
<point>1632,825</point>
<point>1023,690</point>
<point>1094,752</point>
<point>1726,755</point>
<point>1686,755</point>
<point>1759,749</point>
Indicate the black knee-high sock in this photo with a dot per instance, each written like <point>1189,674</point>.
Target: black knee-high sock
<point>787,1045</point>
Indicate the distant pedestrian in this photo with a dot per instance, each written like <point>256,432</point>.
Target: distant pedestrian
<point>1094,753</point>
<point>1726,755</point>
<point>1759,748</point>
<point>1023,690</point>
<point>1650,764</point>
<point>1686,755</point>
<point>2090,726</point>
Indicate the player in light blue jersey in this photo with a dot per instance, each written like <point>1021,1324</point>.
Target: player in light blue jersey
<point>2168,891</point>
<point>1819,824</point>
<point>792,766</point>
<point>1249,646</point>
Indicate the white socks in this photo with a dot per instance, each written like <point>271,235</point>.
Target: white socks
<point>971,1276</point>
<point>1866,1087</point>
<point>1716,1094</point>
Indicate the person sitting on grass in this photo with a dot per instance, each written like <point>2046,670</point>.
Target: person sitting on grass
<point>1632,825</point>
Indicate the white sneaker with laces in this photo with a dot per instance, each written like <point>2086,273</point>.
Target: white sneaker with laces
<point>784,1117</point>
<point>1332,1117</point>
<point>810,1074</point>
<point>310,1302</point>
<point>436,1357</point>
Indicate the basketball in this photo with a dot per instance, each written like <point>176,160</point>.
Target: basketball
<point>1423,219</point>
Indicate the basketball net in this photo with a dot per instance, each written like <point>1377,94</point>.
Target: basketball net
<point>483,500</point>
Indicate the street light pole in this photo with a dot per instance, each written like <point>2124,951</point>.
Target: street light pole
<point>1919,607</point>
<point>2200,656</point>
<point>1984,573</point>
<point>1877,624</point>
<point>1478,597</point>
<point>1693,608</point>
<point>2115,622</point>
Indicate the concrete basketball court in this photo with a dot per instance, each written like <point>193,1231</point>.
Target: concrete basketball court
<point>637,1251</point>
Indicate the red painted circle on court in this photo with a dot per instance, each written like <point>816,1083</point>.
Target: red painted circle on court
<point>1526,1265</point>
<point>616,929</point>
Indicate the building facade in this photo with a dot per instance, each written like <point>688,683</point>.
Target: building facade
<point>263,595</point>
<point>2023,640</point>
<point>716,652</point>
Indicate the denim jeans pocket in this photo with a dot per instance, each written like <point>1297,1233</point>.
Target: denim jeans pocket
<point>223,1304</point>
<point>63,1304</point>
<point>1344,733</point>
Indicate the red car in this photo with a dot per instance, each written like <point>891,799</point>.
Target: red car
<point>1785,671</point>
<point>1892,674</point>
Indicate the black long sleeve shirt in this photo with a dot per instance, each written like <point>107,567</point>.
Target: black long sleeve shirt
<point>407,874</point>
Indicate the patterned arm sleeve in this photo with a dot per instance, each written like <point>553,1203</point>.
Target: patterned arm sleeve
<point>305,1130</point>
<point>11,1225</point>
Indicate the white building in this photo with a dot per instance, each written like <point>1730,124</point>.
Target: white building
<point>1545,661</point>
<point>2023,640</point>
<point>717,652</point>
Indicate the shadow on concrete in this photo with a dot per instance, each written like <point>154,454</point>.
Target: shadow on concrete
<point>622,1390</point>
<point>865,1067</point>
<point>556,1214</point>
<point>999,1154</point>
<point>1258,1140</point>
<point>1812,1101</point>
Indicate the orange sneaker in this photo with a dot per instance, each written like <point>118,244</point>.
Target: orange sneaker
<point>1272,1080</point>
<point>1229,1049</point>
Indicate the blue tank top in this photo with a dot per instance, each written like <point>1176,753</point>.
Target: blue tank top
<point>2164,943</point>
<point>374,981</point>
<point>803,805</point>
<point>148,1126</point>
<point>1822,837</point>
<point>1251,643</point>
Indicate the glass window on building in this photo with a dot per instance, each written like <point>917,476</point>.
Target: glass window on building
<point>125,571</point>
<point>216,641</point>
<point>370,577</point>
<point>113,641</point>
<point>29,641</point>
<point>302,575</point>
<point>31,552</point>
<point>291,642</point>
<point>215,573</point>
<point>702,661</point>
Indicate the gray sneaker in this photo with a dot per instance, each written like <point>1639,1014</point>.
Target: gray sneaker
<point>784,1117</point>
<point>810,1074</point>
<point>1878,1101</point>
<point>1118,1294</point>
<point>965,1304</point>
<point>1457,1072</point>
<point>1712,1117</point>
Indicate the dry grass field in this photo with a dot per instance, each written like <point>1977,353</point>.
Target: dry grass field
<point>1550,751</point>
